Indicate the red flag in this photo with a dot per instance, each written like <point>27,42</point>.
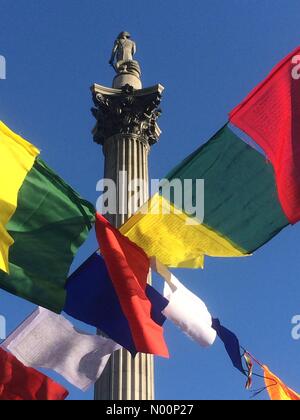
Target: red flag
<point>18,382</point>
<point>270,115</point>
<point>128,267</point>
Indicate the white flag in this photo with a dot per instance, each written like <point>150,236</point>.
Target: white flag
<point>185,309</point>
<point>47,340</point>
<point>189,313</point>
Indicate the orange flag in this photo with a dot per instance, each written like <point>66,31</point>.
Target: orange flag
<point>277,390</point>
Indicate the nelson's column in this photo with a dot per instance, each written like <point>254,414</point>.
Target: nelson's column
<point>126,129</point>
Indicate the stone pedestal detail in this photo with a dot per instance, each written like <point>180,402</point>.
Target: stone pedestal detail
<point>126,128</point>
<point>129,73</point>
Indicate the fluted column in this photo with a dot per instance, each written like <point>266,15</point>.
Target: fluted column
<point>126,128</point>
<point>125,377</point>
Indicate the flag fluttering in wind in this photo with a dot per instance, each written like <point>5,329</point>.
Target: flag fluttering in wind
<point>92,298</point>
<point>128,267</point>
<point>18,382</point>
<point>47,340</point>
<point>185,309</point>
<point>248,199</point>
<point>241,207</point>
<point>17,157</point>
<point>250,195</point>
<point>189,313</point>
<point>50,223</point>
<point>277,390</point>
<point>270,115</point>
<point>231,344</point>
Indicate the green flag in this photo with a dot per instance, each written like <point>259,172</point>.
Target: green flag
<point>50,223</point>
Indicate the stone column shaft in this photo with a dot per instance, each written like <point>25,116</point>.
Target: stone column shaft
<point>125,377</point>
<point>126,128</point>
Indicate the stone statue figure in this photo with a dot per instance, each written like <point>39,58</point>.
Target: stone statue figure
<point>124,49</point>
<point>122,55</point>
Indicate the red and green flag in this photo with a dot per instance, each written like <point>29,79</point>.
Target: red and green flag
<point>270,115</point>
<point>241,207</point>
<point>248,197</point>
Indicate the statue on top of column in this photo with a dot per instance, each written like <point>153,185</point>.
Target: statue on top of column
<point>122,55</point>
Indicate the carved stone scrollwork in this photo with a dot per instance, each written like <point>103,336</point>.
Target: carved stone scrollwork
<point>127,111</point>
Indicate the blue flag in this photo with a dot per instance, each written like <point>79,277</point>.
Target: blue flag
<point>91,298</point>
<point>231,344</point>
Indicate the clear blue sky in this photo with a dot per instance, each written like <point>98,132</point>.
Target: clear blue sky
<point>208,55</point>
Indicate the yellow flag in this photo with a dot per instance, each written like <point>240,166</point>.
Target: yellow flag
<point>277,390</point>
<point>165,232</point>
<point>17,157</point>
